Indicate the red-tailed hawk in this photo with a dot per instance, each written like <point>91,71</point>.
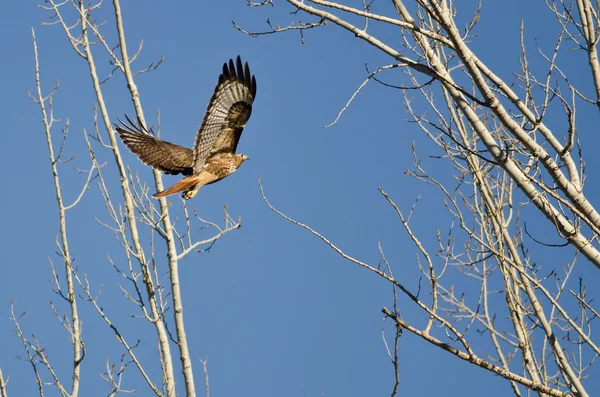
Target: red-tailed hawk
<point>213,157</point>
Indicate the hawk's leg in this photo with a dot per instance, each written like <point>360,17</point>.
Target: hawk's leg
<point>191,192</point>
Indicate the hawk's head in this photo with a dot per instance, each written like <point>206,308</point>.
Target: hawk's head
<point>239,159</point>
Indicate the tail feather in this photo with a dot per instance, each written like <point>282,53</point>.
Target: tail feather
<point>180,186</point>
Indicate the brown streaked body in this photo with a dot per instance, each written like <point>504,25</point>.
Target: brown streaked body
<point>213,157</point>
<point>217,168</point>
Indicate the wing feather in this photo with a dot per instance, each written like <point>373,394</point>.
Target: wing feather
<point>162,155</point>
<point>228,111</point>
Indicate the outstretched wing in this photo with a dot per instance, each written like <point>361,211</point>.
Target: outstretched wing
<point>165,156</point>
<point>228,111</point>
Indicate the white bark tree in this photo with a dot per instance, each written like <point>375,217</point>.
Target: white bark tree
<point>139,223</point>
<point>510,164</point>
<point>506,156</point>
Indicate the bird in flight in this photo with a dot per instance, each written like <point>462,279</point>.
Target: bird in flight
<point>213,157</point>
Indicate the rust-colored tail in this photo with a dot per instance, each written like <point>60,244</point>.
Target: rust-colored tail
<point>180,186</point>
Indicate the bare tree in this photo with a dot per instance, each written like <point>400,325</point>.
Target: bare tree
<point>510,164</point>
<point>149,282</point>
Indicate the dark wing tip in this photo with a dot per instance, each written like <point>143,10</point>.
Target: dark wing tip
<point>248,79</point>
<point>225,74</point>
<point>131,127</point>
<point>232,73</point>
<point>244,75</point>
<point>116,125</point>
<point>240,69</point>
<point>124,128</point>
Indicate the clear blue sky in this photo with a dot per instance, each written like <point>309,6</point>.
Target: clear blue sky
<point>275,311</point>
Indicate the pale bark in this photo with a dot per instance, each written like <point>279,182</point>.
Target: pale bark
<point>3,391</point>
<point>526,155</point>
<point>130,212</point>
<point>184,355</point>
<point>74,327</point>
